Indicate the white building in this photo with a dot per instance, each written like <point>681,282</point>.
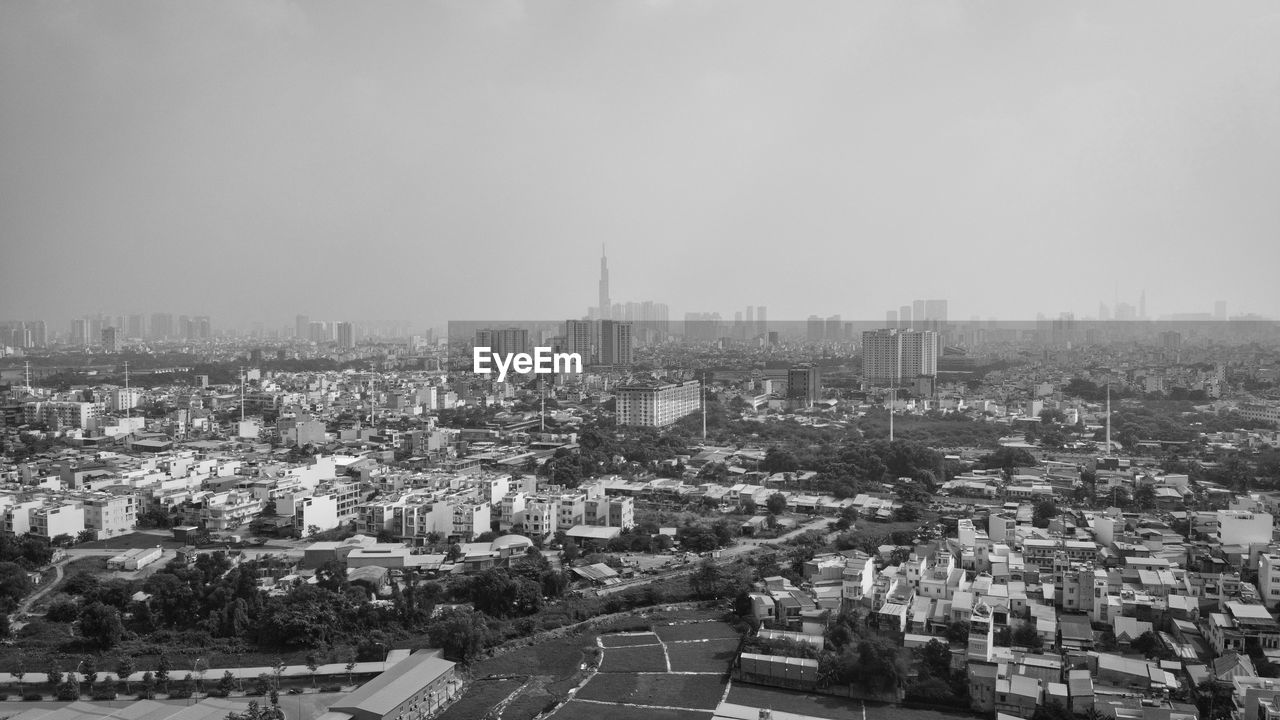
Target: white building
<point>110,515</point>
<point>1244,528</point>
<point>657,404</point>
<point>891,356</point>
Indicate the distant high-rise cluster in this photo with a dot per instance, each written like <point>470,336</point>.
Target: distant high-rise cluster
<point>650,320</point>
<point>919,315</point>
<point>601,342</point>
<point>24,335</point>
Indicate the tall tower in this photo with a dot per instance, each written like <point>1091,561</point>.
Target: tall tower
<point>606,308</point>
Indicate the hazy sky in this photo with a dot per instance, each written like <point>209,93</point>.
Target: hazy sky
<point>422,161</point>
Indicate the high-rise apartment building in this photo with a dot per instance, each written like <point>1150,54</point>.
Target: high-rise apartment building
<point>302,327</point>
<point>137,326</point>
<point>346,335</point>
<point>815,329</point>
<point>804,385</point>
<point>657,404</point>
<point>110,340</point>
<point>580,337</point>
<point>162,326</point>
<point>80,331</point>
<point>891,356</point>
<point>616,343</point>
<point>39,333</point>
<point>905,318</point>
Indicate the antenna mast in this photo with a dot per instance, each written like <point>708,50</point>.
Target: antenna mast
<point>128,397</point>
<point>241,393</point>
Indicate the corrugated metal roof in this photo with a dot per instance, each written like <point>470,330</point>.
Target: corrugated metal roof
<point>382,694</point>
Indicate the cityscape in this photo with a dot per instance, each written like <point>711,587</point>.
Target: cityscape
<point>640,360</point>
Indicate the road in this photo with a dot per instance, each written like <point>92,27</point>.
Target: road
<point>743,547</point>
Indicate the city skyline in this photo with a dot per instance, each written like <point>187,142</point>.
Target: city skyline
<point>827,174</point>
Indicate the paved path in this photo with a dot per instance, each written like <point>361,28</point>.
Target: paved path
<point>212,675</point>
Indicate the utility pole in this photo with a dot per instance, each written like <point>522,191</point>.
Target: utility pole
<point>242,376</point>
<point>893,396</point>
<point>1108,420</point>
<point>703,390</point>
<point>127,395</point>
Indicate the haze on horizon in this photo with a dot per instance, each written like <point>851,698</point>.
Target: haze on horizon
<point>421,161</point>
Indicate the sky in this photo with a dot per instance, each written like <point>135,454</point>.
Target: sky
<point>424,161</point>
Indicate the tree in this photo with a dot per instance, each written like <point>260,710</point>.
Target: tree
<point>14,585</point>
<point>313,664</point>
<point>958,632</point>
<point>62,609</point>
<point>777,460</point>
<point>226,683</point>
<point>777,503</point>
<point>705,581</point>
<point>1025,635</point>
<point>1051,416</point>
<point>124,669</point>
<point>569,551</point>
<point>101,624</point>
<point>348,655</point>
<point>1043,512</point>
<point>1144,497</point>
<point>1147,643</point>
<point>935,659</point>
<point>162,671</point>
<point>907,512</point>
<point>461,633</point>
<point>256,712</point>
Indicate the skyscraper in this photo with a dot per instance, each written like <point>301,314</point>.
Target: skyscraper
<point>814,329</point>
<point>162,326</point>
<point>580,337</point>
<point>616,343</point>
<point>302,327</point>
<point>80,331</point>
<point>110,342</point>
<point>904,317</point>
<point>762,320</point>
<point>935,312</point>
<point>606,307</point>
<point>346,335</point>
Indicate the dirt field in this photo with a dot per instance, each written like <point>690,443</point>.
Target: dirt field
<point>578,710</point>
<point>613,641</point>
<point>702,656</point>
<point>661,689</point>
<point>648,658</point>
